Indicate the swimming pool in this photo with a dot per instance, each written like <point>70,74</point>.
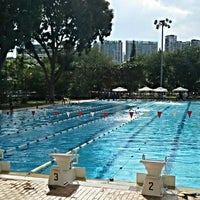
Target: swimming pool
<point>110,143</point>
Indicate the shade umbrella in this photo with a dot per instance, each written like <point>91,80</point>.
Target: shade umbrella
<point>145,89</point>
<point>119,89</point>
<point>180,89</point>
<point>160,89</point>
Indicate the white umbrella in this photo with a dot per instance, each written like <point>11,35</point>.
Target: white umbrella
<point>145,89</point>
<point>119,89</point>
<point>160,89</point>
<point>180,89</point>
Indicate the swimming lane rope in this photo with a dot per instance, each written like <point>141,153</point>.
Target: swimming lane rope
<point>130,139</point>
<point>50,136</point>
<point>41,167</point>
<point>56,120</point>
<point>97,110</point>
<point>176,140</point>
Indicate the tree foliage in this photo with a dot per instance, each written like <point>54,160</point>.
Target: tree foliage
<point>24,75</point>
<point>181,68</point>
<point>184,66</point>
<point>94,72</point>
<point>68,26</point>
<point>17,21</point>
<point>152,70</point>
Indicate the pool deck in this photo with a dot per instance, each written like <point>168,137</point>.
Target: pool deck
<point>26,187</point>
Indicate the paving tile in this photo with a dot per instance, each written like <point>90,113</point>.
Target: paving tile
<point>15,189</point>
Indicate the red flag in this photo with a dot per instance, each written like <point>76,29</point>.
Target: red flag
<point>159,114</point>
<point>56,113</point>
<point>131,113</point>
<point>80,113</point>
<point>189,113</point>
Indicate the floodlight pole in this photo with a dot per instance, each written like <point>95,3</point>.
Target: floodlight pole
<point>162,23</point>
<point>162,57</point>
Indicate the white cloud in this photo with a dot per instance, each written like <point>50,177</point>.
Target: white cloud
<point>133,19</point>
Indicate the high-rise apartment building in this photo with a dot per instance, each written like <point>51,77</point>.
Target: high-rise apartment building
<point>113,49</point>
<point>195,42</point>
<point>146,47</point>
<point>141,48</point>
<point>181,44</point>
<point>129,46</point>
<point>170,42</point>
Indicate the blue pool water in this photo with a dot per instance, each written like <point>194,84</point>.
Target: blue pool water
<point>117,141</point>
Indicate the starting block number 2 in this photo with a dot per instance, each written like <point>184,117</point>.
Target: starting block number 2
<point>55,177</point>
<point>151,186</point>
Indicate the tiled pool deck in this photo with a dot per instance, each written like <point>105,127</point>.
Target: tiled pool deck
<point>14,187</point>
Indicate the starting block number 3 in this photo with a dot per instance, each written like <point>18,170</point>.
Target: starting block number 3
<point>55,177</point>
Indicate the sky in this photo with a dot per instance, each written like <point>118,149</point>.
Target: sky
<point>134,19</point>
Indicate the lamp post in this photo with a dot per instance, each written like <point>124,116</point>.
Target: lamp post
<point>162,23</point>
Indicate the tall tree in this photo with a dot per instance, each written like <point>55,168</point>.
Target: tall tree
<point>152,69</point>
<point>17,21</point>
<point>94,71</point>
<point>67,26</point>
<point>133,52</point>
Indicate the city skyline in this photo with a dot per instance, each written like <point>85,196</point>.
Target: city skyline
<point>134,19</point>
<point>113,48</point>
